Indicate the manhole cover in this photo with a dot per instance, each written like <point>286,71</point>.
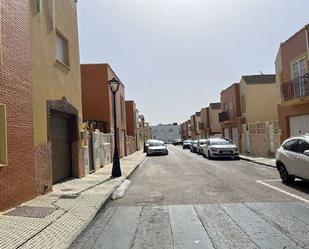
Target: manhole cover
<point>31,212</point>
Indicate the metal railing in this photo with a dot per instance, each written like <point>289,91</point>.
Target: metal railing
<point>296,88</point>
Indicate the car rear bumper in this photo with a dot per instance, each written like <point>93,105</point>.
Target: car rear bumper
<point>216,154</point>
<point>157,152</point>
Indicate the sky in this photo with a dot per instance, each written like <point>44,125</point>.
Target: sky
<point>175,56</point>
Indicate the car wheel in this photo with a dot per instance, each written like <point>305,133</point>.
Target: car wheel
<point>284,175</point>
<point>236,158</point>
<point>209,155</point>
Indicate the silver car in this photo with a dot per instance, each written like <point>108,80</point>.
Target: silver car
<point>220,147</point>
<point>156,147</point>
<point>292,159</point>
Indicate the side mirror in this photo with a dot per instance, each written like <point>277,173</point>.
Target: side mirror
<point>306,152</point>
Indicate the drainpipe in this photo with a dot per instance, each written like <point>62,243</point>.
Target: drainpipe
<point>53,15</point>
<point>307,43</point>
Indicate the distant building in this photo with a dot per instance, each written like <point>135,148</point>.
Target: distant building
<point>166,132</point>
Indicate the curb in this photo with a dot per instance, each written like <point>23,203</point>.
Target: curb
<point>260,163</point>
<point>102,206</point>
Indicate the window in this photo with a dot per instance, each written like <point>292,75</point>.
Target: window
<point>225,107</point>
<point>62,49</point>
<point>299,68</point>
<point>3,142</point>
<point>290,145</point>
<point>302,146</point>
<point>170,130</point>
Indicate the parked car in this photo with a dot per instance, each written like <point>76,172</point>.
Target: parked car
<point>186,144</point>
<point>200,144</point>
<point>220,147</point>
<point>292,159</point>
<point>157,147</point>
<point>147,144</point>
<point>193,146</point>
<point>177,142</point>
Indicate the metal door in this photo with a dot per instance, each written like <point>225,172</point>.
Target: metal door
<point>61,147</point>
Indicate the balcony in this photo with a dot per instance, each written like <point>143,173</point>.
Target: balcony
<point>223,116</point>
<point>296,88</point>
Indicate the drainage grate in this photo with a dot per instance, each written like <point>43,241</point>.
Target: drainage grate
<point>31,212</point>
<point>67,189</point>
<point>73,196</point>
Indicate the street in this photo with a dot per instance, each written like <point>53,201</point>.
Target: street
<point>186,201</point>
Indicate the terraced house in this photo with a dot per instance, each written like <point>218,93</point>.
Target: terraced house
<point>292,77</point>
<point>57,107</point>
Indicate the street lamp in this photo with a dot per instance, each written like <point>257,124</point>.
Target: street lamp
<point>114,86</point>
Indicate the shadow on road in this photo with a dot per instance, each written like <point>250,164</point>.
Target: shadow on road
<point>300,185</point>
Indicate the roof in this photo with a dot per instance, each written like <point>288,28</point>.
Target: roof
<point>233,85</point>
<point>305,27</point>
<point>260,79</point>
<point>216,105</point>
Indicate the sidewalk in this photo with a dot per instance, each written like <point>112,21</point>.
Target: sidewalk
<point>271,162</point>
<point>56,219</point>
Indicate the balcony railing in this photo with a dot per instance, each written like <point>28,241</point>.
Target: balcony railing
<point>223,116</point>
<point>296,88</point>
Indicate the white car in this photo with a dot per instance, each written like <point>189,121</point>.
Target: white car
<point>292,159</point>
<point>220,147</point>
<point>156,147</point>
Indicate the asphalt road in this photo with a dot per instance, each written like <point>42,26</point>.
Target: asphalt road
<point>186,201</point>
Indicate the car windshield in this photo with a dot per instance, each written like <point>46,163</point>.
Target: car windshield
<point>203,141</point>
<point>220,141</point>
<point>187,141</point>
<point>194,142</point>
<point>156,143</point>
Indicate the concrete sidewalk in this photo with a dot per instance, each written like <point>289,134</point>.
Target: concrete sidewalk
<point>56,219</point>
<point>271,162</point>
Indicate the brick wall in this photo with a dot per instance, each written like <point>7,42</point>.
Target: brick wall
<point>131,118</point>
<point>97,100</point>
<point>17,178</point>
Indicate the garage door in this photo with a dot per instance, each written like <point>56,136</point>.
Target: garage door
<point>61,147</point>
<point>226,132</point>
<point>299,125</point>
<point>235,136</point>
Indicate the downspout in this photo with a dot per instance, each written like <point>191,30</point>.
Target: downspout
<point>53,15</point>
<point>307,45</point>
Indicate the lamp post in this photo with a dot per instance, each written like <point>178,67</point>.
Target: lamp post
<point>114,86</point>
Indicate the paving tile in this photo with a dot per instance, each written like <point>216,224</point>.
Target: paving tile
<point>121,229</point>
<point>290,218</point>
<point>154,229</point>
<point>224,232</point>
<point>187,230</point>
<point>262,233</point>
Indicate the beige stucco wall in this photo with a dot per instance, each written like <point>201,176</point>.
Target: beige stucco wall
<point>51,79</point>
<point>214,120</point>
<point>261,101</point>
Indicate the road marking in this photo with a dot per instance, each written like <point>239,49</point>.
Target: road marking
<point>283,191</point>
<point>270,180</point>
